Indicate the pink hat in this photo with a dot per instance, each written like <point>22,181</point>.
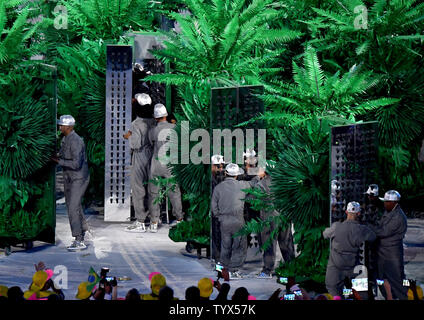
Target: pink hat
<point>49,273</point>
<point>337,298</point>
<point>33,296</point>
<point>153,274</point>
<point>250,297</point>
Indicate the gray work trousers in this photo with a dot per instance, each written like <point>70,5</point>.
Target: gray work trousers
<point>139,176</point>
<point>233,250</point>
<point>159,170</point>
<point>285,242</point>
<point>74,191</point>
<point>216,239</point>
<point>334,279</point>
<point>391,267</point>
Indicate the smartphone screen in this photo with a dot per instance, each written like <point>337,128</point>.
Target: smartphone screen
<point>289,297</point>
<point>219,267</point>
<point>297,292</point>
<point>109,278</point>
<point>360,284</point>
<point>283,280</point>
<point>380,282</point>
<point>406,283</point>
<point>347,292</point>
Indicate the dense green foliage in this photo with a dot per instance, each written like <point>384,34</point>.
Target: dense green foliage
<point>27,137</point>
<point>322,63</point>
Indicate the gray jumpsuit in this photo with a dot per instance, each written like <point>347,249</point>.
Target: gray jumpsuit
<point>141,157</point>
<point>228,206</point>
<point>346,240</point>
<point>284,237</point>
<point>216,229</point>
<point>76,176</point>
<point>390,232</point>
<point>157,169</point>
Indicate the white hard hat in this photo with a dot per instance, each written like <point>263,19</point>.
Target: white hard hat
<point>353,207</point>
<point>66,120</point>
<point>335,185</point>
<point>372,190</point>
<point>217,159</point>
<point>159,111</point>
<point>391,195</point>
<point>250,153</point>
<point>143,99</point>
<point>233,170</point>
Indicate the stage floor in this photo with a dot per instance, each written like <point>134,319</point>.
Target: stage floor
<point>133,255</point>
<point>136,255</point>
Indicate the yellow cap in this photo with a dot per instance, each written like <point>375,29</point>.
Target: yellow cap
<point>83,292</point>
<point>38,280</point>
<point>329,296</point>
<point>3,291</point>
<point>419,293</point>
<point>205,286</point>
<point>158,282</point>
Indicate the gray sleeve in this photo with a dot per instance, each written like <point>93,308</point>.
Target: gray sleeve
<point>329,232</point>
<point>367,234</point>
<point>135,139</point>
<point>214,203</point>
<point>389,226</point>
<point>254,182</point>
<point>77,156</point>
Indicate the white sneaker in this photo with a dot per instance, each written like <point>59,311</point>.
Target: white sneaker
<point>153,227</point>
<point>89,235</point>
<point>136,227</point>
<point>175,222</point>
<point>235,275</point>
<point>77,245</point>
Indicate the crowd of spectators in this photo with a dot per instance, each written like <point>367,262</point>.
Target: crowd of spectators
<point>43,287</point>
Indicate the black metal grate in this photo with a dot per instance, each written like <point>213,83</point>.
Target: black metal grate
<point>354,151</point>
<point>118,120</point>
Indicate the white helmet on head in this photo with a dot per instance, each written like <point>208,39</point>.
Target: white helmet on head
<point>66,120</point>
<point>143,99</point>
<point>217,159</point>
<point>372,190</point>
<point>335,185</point>
<point>353,207</point>
<point>233,170</point>
<point>250,153</point>
<point>391,195</point>
<point>159,111</point>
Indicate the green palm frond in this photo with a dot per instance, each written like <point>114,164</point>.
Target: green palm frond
<point>108,19</point>
<point>19,40</point>
<point>27,140</point>
<point>216,39</point>
<point>315,93</point>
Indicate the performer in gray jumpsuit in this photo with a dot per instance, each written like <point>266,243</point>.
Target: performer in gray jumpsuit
<point>346,239</point>
<point>141,156</point>
<point>76,176</point>
<point>390,233</point>
<point>217,177</point>
<point>157,169</point>
<point>284,237</point>
<point>227,205</point>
